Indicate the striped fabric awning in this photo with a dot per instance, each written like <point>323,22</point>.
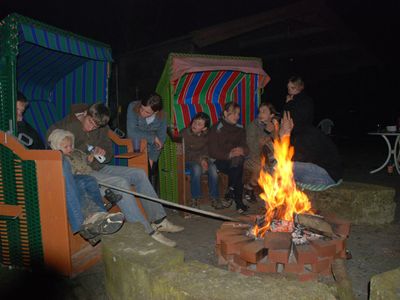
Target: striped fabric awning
<point>56,69</point>
<point>209,91</point>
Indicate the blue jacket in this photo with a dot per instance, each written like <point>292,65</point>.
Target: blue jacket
<point>137,126</point>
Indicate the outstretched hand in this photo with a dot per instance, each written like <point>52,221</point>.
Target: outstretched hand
<point>286,124</point>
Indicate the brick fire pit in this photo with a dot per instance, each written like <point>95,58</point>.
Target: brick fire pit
<point>276,252</point>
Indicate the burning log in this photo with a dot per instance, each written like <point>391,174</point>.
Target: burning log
<point>315,223</point>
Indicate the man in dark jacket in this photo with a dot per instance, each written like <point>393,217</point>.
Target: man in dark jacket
<point>227,145</point>
<point>26,134</point>
<point>316,158</point>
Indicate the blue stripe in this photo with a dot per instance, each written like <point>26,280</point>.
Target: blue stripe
<point>104,54</point>
<point>87,49</point>
<point>69,45</point>
<point>33,60</point>
<point>104,97</point>
<point>84,83</point>
<point>46,38</point>
<point>78,47</point>
<point>74,87</point>
<point>46,124</point>
<point>220,85</point>
<point>36,125</point>
<point>58,42</point>
<point>94,81</point>
<point>95,52</point>
<point>34,34</point>
<point>53,119</point>
<point>193,84</point>
<point>63,97</point>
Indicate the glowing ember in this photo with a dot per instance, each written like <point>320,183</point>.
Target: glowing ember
<point>282,199</point>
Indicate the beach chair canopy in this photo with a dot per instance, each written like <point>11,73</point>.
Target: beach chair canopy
<point>193,83</point>
<point>53,68</point>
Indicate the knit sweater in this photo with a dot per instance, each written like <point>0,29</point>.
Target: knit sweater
<point>223,137</point>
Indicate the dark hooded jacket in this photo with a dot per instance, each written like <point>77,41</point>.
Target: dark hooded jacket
<point>311,144</point>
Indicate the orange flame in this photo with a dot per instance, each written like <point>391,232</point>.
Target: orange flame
<point>282,199</point>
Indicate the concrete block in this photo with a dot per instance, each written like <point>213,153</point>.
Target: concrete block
<point>132,259</point>
<point>359,202</point>
<point>385,285</point>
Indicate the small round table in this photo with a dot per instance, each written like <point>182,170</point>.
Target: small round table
<point>395,151</point>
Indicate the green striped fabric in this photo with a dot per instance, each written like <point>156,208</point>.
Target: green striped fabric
<point>316,187</point>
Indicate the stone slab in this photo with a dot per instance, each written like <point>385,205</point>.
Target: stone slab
<point>359,202</point>
<point>385,285</point>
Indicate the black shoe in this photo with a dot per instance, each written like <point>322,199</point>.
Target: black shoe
<point>230,194</point>
<point>242,209</point>
<point>102,223</point>
<point>217,203</point>
<point>249,196</point>
<point>112,198</point>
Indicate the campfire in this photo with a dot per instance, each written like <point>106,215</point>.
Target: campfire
<point>290,237</point>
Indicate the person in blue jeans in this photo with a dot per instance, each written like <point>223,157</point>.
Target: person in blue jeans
<point>86,213</point>
<point>197,161</point>
<point>89,126</point>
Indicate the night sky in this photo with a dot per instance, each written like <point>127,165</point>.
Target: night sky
<point>131,25</point>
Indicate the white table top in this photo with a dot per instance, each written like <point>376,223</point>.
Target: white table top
<point>385,133</point>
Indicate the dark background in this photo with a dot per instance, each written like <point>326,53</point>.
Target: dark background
<point>347,54</point>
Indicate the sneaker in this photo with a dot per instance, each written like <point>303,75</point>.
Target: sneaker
<point>242,209</point>
<point>162,239</point>
<point>104,223</point>
<point>217,203</point>
<point>166,226</point>
<point>249,196</point>
<point>195,203</point>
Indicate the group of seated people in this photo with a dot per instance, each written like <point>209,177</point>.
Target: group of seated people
<point>230,148</point>
<point>225,147</point>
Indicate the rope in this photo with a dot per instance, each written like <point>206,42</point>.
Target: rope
<point>168,203</point>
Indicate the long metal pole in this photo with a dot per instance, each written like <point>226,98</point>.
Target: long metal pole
<point>168,203</point>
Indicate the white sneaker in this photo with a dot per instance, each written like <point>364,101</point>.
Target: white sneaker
<point>162,239</point>
<point>166,226</point>
<point>104,223</point>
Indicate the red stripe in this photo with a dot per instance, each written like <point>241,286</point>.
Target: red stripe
<point>186,84</point>
<point>228,84</point>
<point>210,91</point>
<point>199,87</point>
<point>252,99</point>
<point>186,114</point>
<point>244,84</point>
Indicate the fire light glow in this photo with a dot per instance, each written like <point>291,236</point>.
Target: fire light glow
<point>282,199</point>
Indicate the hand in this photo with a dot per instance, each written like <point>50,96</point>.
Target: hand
<point>289,98</point>
<point>286,124</point>
<point>204,165</point>
<point>238,151</point>
<point>158,143</point>
<point>269,126</point>
<point>90,158</point>
<point>99,151</point>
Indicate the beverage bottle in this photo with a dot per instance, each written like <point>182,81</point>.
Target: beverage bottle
<point>390,167</point>
<point>99,158</point>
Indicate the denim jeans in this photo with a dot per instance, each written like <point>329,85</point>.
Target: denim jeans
<point>235,178</point>
<point>310,173</point>
<point>195,179</point>
<point>82,196</point>
<point>124,177</point>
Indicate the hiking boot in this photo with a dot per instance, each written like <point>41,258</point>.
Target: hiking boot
<point>166,226</point>
<point>162,239</point>
<point>103,223</point>
<point>217,203</point>
<point>112,198</point>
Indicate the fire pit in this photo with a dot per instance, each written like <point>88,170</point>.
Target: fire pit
<point>301,252</point>
<point>290,237</point>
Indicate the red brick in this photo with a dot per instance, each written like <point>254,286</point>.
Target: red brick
<point>306,276</point>
<point>324,248</point>
<point>236,225</point>
<point>241,262</point>
<point>221,260</point>
<point>279,255</point>
<point>227,231</point>
<point>273,237</point>
<point>323,264</point>
<point>247,272</point>
<point>253,251</point>
<point>340,226</point>
<point>294,268</point>
<point>266,267</point>
<point>233,267</point>
<point>305,254</point>
<point>250,219</point>
<point>341,254</point>
<point>232,244</point>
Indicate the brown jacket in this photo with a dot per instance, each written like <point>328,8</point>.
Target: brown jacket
<point>98,137</point>
<point>196,146</point>
<point>223,137</point>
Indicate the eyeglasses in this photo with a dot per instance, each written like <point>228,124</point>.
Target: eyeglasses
<point>92,122</point>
